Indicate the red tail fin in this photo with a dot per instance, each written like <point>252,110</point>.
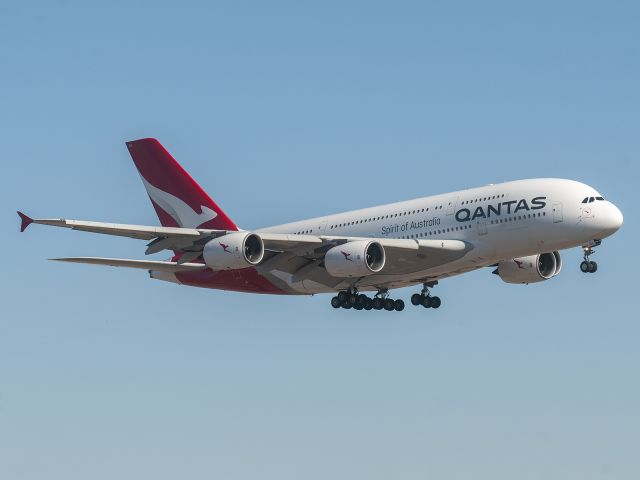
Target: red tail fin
<point>178,199</point>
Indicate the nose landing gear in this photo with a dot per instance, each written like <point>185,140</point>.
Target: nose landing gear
<point>588,265</point>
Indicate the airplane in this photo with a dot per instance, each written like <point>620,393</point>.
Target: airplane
<point>517,227</point>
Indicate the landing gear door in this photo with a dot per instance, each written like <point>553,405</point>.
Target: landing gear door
<point>557,212</point>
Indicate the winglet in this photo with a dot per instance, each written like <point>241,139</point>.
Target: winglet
<point>26,221</point>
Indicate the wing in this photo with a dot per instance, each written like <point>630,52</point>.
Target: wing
<point>297,258</point>
<point>142,264</point>
<point>303,262</point>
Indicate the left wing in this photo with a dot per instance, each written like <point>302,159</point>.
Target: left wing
<point>142,264</point>
<point>300,256</point>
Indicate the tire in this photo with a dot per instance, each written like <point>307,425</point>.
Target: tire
<point>435,302</point>
<point>584,267</point>
<point>389,304</point>
<point>398,305</point>
<point>342,296</point>
<point>346,306</point>
<point>426,302</point>
<point>335,302</point>
<point>416,299</point>
<point>352,300</point>
<point>593,267</point>
<point>368,305</point>
<point>358,306</point>
<point>377,303</point>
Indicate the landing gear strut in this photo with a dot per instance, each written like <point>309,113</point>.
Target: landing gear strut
<point>588,265</point>
<point>351,299</point>
<point>425,298</point>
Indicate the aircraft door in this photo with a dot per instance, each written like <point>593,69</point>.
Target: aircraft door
<point>557,212</point>
<point>482,228</point>
<point>451,206</point>
<point>322,227</point>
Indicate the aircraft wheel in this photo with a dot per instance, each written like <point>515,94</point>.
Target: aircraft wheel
<point>585,267</point>
<point>593,267</point>
<point>358,306</point>
<point>368,304</point>
<point>416,299</point>
<point>378,303</point>
<point>342,296</point>
<point>435,302</point>
<point>389,304</point>
<point>426,302</point>
<point>335,302</point>
<point>398,305</point>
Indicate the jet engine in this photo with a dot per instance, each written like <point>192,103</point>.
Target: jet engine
<point>355,259</point>
<point>233,251</point>
<point>531,269</point>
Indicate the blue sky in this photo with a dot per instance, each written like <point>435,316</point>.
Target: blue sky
<point>289,110</point>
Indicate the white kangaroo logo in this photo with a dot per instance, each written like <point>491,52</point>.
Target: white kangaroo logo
<point>183,214</point>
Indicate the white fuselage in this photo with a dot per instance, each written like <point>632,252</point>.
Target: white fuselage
<point>501,221</point>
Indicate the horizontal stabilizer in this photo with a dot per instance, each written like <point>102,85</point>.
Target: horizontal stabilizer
<point>142,264</point>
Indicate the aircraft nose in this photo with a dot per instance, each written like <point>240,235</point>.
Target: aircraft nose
<point>612,220</point>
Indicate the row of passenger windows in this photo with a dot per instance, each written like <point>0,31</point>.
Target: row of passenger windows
<point>592,199</point>
<point>437,232</point>
<point>518,217</point>
<point>476,200</point>
<point>463,227</point>
<point>383,217</point>
<point>402,214</point>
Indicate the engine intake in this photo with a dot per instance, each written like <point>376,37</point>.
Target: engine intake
<point>531,269</point>
<point>355,259</point>
<point>233,251</point>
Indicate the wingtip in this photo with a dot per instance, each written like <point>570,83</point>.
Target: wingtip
<point>26,221</point>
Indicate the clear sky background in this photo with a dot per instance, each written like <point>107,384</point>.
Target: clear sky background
<point>290,110</point>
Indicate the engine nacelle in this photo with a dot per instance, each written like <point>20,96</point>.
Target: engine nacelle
<point>531,269</point>
<point>233,251</point>
<point>355,259</point>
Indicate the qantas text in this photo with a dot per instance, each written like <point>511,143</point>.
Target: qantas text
<point>504,208</point>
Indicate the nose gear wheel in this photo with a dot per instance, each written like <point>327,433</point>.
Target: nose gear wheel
<point>587,265</point>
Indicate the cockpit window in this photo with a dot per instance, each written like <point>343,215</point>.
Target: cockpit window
<point>586,199</point>
<point>591,199</point>
<point>600,198</point>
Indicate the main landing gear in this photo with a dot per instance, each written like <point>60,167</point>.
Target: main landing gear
<point>588,265</point>
<point>425,298</point>
<point>351,299</point>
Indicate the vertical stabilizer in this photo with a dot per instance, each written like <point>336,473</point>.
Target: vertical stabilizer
<point>177,198</point>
